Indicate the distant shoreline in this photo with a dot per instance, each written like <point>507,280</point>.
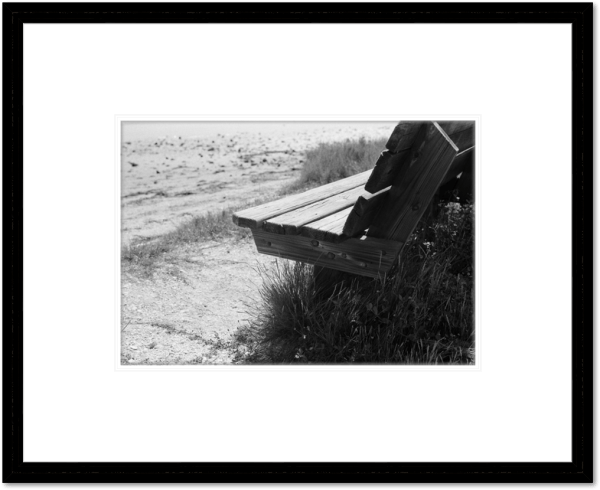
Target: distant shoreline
<point>140,130</point>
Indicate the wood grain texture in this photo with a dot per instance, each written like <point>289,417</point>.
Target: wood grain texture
<point>431,157</point>
<point>462,133</point>
<point>403,135</point>
<point>291,222</point>
<point>370,257</point>
<point>329,229</point>
<point>255,217</point>
<point>390,164</point>
<point>386,167</point>
<point>364,212</point>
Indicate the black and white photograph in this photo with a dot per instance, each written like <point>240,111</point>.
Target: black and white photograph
<point>287,242</point>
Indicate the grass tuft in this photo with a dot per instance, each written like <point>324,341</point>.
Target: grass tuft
<point>329,162</point>
<point>144,254</point>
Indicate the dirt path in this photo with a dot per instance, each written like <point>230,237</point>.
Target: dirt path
<point>190,309</point>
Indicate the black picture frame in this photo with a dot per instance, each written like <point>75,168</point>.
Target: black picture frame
<point>581,472</point>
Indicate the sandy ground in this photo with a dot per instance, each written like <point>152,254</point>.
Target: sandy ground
<point>188,311</point>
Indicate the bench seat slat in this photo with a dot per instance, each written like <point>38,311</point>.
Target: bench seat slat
<point>347,223</point>
<point>290,223</point>
<point>329,229</point>
<point>255,217</point>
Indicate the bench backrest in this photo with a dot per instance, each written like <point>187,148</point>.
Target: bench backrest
<point>420,156</point>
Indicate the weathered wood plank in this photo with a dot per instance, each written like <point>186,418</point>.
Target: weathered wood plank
<point>329,229</point>
<point>386,167</point>
<point>431,157</point>
<point>462,133</point>
<point>403,136</point>
<point>342,225</point>
<point>255,217</point>
<point>367,257</point>
<point>291,222</point>
<point>363,212</point>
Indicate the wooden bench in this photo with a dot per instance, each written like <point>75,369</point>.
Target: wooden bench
<point>360,224</point>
